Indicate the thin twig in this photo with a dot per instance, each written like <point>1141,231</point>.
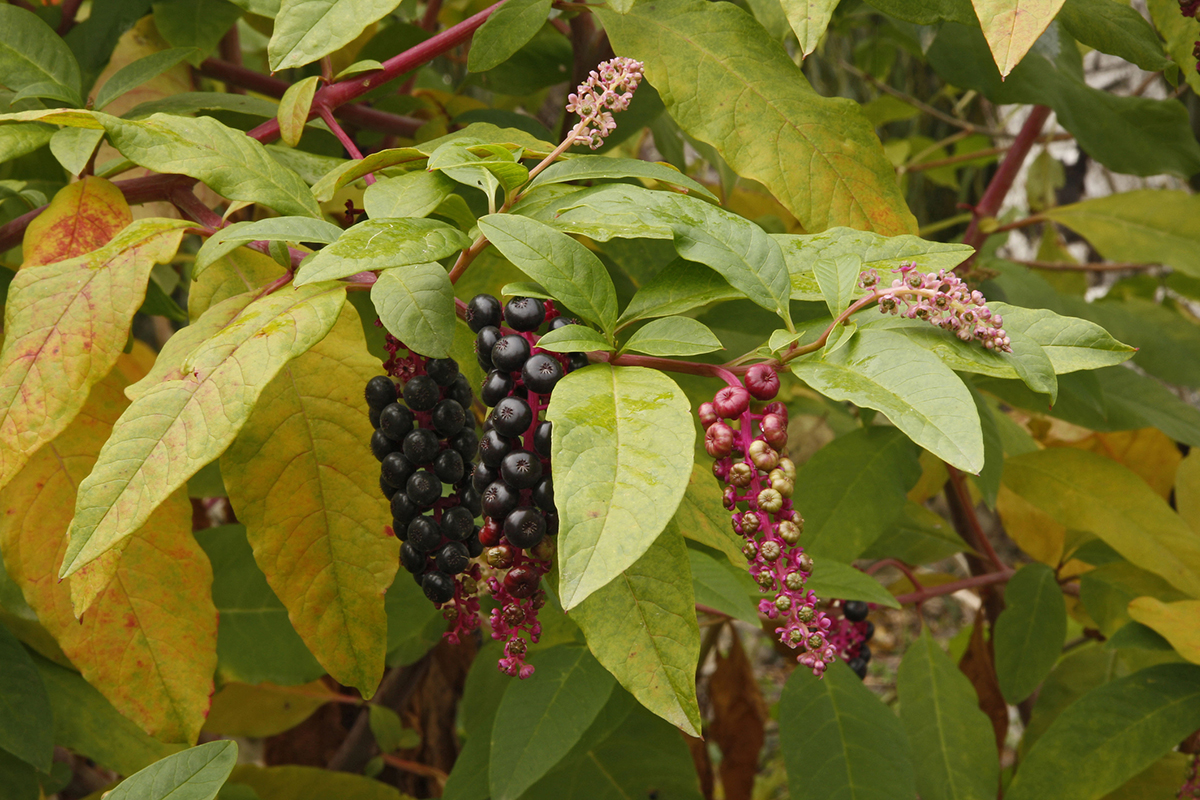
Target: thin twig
<point>395,690</point>
<point>974,582</point>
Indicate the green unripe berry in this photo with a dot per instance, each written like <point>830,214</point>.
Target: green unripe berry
<point>770,501</point>
<point>789,532</point>
<point>770,550</point>
<point>749,550</point>
<point>765,579</point>
<point>763,456</point>
<point>750,523</point>
<point>794,581</point>
<point>740,474</point>
<point>795,636</point>
<point>806,614</point>
<point>805,562</point>
<point>783,602</point>
<point>814,642</point>
<point>788,468</point>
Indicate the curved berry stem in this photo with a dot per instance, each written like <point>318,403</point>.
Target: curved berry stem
<point>729,375</point>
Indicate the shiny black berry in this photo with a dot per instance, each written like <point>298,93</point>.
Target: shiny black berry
<point>442,370</point>
<point>524,313</point>
<point>411,558</point>
<point>449,466</point>
<point>457,523</point>
<point>424,488</point>
<point>551,524</point>
<point>541,372</point>
<point>864,653</point>
<point>460,391</point>
<point>483,476</point>
<point>562,322</point>
<point>498,499</point>
<point>496,387</point>
<point>541,439</point>
<point>382,445</point>
<point>870,632</point>
<point>396,470</point>
<point>421,446</point>
<point>474,546</point>
<point>577,361</point>
<point>421,393</point>
<point>525,528</point>
<point>855,610</point>
<point>403,510</point>
<point>373,415</point>
<point>521,469</point>
<point>438,587</point>
<point>465,443</point>
<point>380,392</point>
<point>543,494</point>
<point>471,501</point>
<point>512,416</point>
<point>493,448</point>
<point>858,666</point>
<point>424,534</point>
<point>388,490</point>
<point>510,352</point>
<point>485,340</point>
<point>452,558</point>
<point>395,421</point>
<point>482,311</point>
<point>449,418</point>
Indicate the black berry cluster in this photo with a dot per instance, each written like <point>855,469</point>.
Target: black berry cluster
<point>850,634</point>
<point>513,475</point>
<point>425,442</point>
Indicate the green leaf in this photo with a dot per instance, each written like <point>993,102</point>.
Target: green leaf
<point>590,168</point>
<point>1144,226</point>
<point>134,75</point>
<point>838,279</point>
<point>574,339</point>
<point>525,289</point>
<point>306,30</point>
<point>26,720</point>
<point>642,628</point>
<point>920,395</point>
<point>687,46</point>
<point>380,244</point>
<point>24,138</point>
<point>722,586</point>
<point>197,24</point>
<point>1012,26</point>
<point>953,747</point>
<point>918,536</point>
<point>1111,734</point>
<point>294,108</point>
<point>540,719</point>
<point>505,32</point>
<point>808,20</point>
<point>32,53</point>
<point>673,336</point>
<point>1115,28</point>
<point>567,269</point>
<point>840,742</point>
<point>273,229</point>
<point>1165,340</point>
<point>1180,34</point>
<point>195,774</point>
<point>702,517</point>
<point>416,305</point>
<point>413,194</point>
<point>1029,634</point>
<point>255,641</point>
<point>988,480</point>
<point>358,68</point>
<point>879,463</point>
<point>177,426</point>
<point>678,287</point>
<point>1088,492</point>
<point>832,579</point>
<point>386,727</point>
<point>497,166</point>
<point>73,147</point>
<point>20,780</point>
<point>622,454</point>
<point>228,161</point>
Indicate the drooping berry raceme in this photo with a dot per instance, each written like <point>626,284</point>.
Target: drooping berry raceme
<point>850,633</point>
<point>513,476</point>
<point>748,446</point>
<point>425,439</point>
<point>1191,785</point>
<point>609,87</point>
<point>942,299</point>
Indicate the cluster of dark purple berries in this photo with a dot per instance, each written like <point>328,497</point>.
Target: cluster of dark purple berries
<point>850,634</point>
<point>425,442</point>
<point>513,475</point>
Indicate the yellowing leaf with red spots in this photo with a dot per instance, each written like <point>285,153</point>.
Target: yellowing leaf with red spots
<point>177,426</point>
<point>1012,26</point>
<point>149,641</point>
<point>301,478</point>
<point>65,325</point>
<point>83,216</point>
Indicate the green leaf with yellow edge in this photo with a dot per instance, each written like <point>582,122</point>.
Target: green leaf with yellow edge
<point>702,517</point>
<point>808,20</point>
<point>1111,734</point>
<point>194,774</point>
<point>1177,622</point>
<point>310,783</point>
<point>822,160</point>
<point>1088,492</point>
<point>239,271</point>
<point>416,305</point>
<point>378,244</point>
<point>642,628</point>
<point>83,216</point>
<point>294,108</point>
<point>953,747</point>
<point>148,642</point>
<point>272,229</point>
<point>1029,634</point>
<point>181,424</point>
<point>1012,26</point>
<point>323,549</point>
<point>622,453</point>
<point>66,324</point>
<point>242,709</point>
<point>226,160</point>
<point>400,158</point>
<point>306,30</point>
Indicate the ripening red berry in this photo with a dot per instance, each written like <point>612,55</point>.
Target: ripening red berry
<point>521,581</point>
<point>762,382</point>
<point>708,414</point>
<point>718,440</point>
<point>731,401</point>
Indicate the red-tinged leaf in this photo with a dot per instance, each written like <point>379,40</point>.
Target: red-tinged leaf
<point>739,715</point>
<point>83,216</point>
<point>149,641</point>
<point>175,427</point>
<point>302,480</point>
<point>65,325</point>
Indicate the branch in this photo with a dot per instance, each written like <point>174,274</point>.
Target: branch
<point>963,496</point>
<point>950,588</point>
<point>69,9</point>
<point>394,692</point>
<point>729,375</point>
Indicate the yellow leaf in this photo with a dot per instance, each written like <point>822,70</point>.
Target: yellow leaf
<point>1012,26</point>
<point>1187,490</point>
<point>236,272</point>
<point>294,108</point>
<point>1178,623</point>
<point>149,641</point>
<point>66,325</point>
<point>243,709</point>
<point>301,478</point>
<point>1149,452</point>
<point>178,426</point>
<point>1034,531</point>
<point>933,478</point>
<point>83,216</point>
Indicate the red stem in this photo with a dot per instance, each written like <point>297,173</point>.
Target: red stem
<point>950,588</point>
<point>900,565</point>
<point>69,9</point>
<point>729,375</point>
<point>959,485</point>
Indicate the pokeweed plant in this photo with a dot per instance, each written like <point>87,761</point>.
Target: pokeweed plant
<point>719,356</point>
